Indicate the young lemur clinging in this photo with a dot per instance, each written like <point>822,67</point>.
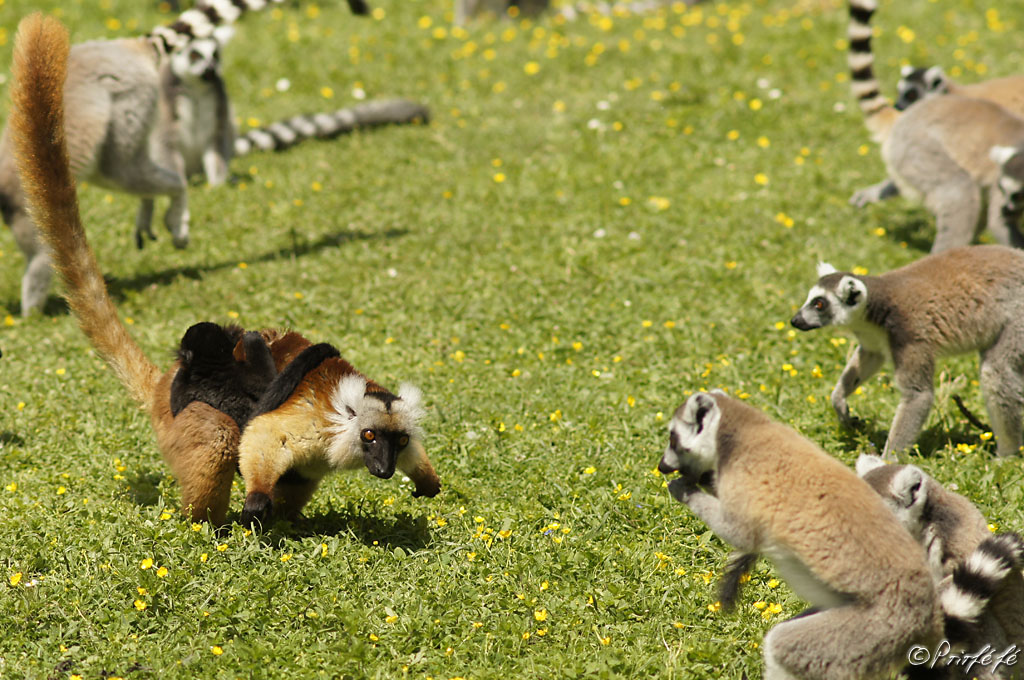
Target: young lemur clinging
<point>323,424</point>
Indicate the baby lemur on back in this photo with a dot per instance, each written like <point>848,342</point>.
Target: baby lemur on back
<point>330,416</point>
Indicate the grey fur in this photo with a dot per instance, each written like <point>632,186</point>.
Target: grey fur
<point>830,536</point>
<point>965,299</point>
<point>955,536</point>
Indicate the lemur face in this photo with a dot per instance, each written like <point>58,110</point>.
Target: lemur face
<point>198,60</point>
<point>918,83</point>
<point>381,449</point>
<point>1011,179</point>
<point>692,445</point>
<point>835,300</point>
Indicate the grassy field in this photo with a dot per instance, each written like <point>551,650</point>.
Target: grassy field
<point>603,217</point>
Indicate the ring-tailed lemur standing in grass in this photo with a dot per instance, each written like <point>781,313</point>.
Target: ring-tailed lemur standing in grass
<point>317,414</point>
<point>763,488</point>
<point>978,574</point>
<point>963,158</point>
<point>962,300</point>
<point>121,130</point>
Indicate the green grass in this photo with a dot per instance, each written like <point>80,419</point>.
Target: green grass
<point>554,320</point>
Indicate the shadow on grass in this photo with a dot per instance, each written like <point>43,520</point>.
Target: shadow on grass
<point>404,530</point>
<point>914,228</point>
<point>930,440</point>
<point>118,287</point>
<point>144,488</point>
<point>11,438</point>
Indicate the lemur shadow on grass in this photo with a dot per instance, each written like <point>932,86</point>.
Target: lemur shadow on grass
<point>913,228</point>
<point>7,437</point>
<point>119,287</point>
<point>403,530</point>
<point>930,440</point>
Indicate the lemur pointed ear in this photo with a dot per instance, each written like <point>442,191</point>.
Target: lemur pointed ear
<point>824,269</point>
<point>851,290</point>
<point>906,70</point>
<point>908,486</point>
<point>867,462</point>
<point>1002,154</point>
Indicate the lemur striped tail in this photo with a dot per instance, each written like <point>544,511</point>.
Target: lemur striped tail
<point>879,113</point>
<point>289,132</point>
<point>37,122</point>
<point>977,579</point>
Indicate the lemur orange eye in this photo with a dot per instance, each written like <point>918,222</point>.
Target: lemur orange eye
<point>368,435</point>
<point>403,441</point>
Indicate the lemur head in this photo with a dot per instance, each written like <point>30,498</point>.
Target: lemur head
<point>199,59</point>
<point>837,299</point>
<point>692,443</point>
<point>904,488</point>
<point>1011,178</point>
<point>918,83</point>
<point>374,423</point>
<point>209,343</point>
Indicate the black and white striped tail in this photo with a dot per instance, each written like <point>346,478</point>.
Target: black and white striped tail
<point>289,132</point>
<point>864,85</point>
<point>201,20</point>
<point>976,580</point>
<point>738,564</point>
<point>207,15</point>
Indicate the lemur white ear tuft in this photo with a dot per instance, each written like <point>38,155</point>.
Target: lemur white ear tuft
<point>1002,154</point>
<point>934,77</point>
<point>906,70</point>
<point>824,269</point>
<point>867,462</point>
<point>349,394</point>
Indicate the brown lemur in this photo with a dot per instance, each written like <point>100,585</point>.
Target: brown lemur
<point>325,423</point>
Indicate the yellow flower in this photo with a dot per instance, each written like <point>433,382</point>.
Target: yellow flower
<point>531,68</point>
<point>540,614</point>
<point>204,557</point>
<point>140,605</point>
<point>605,640</point>
<point>761,178</point>
<point>286,557</point>
<point>216,650</point>
<point>222,547</point>
<point>15,578</point>
<point>373,638</point>
<point>391,619</point>
<point>146,563</point>
<point>326,92</point>
<point>161,572</point>
<point>714,607</point>
<point>590,470</point>
<point>774,583</point>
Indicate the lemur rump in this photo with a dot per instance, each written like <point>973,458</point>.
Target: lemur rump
<point>199,442</point>
<point>978,574</point>
<point>964,299</point>
<point>765,489</point>
<point>962,158</point>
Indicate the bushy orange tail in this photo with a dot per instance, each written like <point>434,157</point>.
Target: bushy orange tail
<point>41,50</point>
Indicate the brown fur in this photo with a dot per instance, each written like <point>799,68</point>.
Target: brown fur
<point>830,536</point>
<point>201,444</point>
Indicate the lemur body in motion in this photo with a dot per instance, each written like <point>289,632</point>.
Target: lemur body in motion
<point>200,442</point>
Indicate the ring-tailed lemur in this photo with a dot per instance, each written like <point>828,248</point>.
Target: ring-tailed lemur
<point>324,421</point>
<point>121,131</point>
<point>965,299</point>
<point>763,488</point>
<point>125,100</point>
<point>963,158</point>
<point>977,573</point>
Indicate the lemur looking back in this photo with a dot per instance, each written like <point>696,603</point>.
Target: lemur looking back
<point>201,443</point>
